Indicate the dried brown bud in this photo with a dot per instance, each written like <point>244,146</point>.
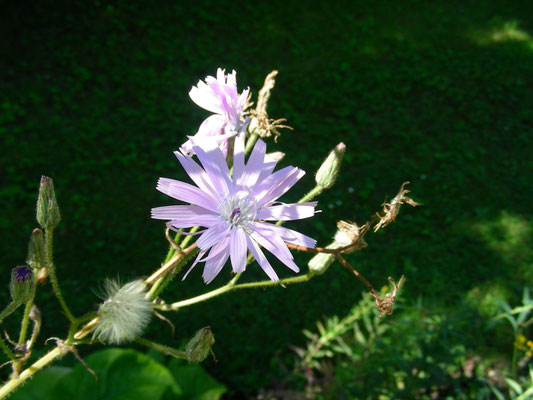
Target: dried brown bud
<point>391,210</point>
<point>260,122</point>
<point>386,304</point>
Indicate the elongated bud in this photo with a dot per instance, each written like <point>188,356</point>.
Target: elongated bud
<point>48,215</point>
<point>329,170</point>
<point>21,285</point>
<point>199,347</point>
<point>36,250</point>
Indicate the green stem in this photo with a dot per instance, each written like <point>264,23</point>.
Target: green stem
<point>188,239</point>
<point>9,309</point>
<point>42,362</point>
<point>251,142</point>
<point>169,351</point>
<point>6,349</point>
<point>25,318</point>
<point>163,282</point>
<point>312,194</point>
<point>49,235</point>
<point>230,286</point>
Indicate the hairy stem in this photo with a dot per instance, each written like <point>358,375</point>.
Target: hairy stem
<point>25,318</point>
<point>9,309</point>
<point>311,194</point>
<point>169,351</point>
<point>49,235</point>
<point>42,362</point>
<point>230,286</point>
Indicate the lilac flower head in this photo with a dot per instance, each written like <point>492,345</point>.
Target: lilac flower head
<point>236,209</point>
<point>219,95</point>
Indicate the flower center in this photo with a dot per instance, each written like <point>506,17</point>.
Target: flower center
<point>239,209</point>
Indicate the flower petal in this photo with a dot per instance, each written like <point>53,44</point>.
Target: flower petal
<point>213,235</point>
<point>238,160</point>
<point>273,243</point>
<point>214,266</point>
<point>277,184</point>
<point>216,168</point>
<point>238,250</point>
<point>254,165</point>
<point>261,259</point>
<point>184,216</point>
<point>186,193</point>
<point>286,212</point>
<point>198,175</point>
<point>288,235</point>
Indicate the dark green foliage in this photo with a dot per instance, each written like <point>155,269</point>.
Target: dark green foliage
<point>123,375</point>
<point>94,95</point>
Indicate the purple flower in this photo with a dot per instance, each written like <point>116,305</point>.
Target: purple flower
<point>218,95</point>
<point>236,209</point>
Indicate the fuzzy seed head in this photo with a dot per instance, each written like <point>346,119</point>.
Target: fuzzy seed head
<point>125,312</point>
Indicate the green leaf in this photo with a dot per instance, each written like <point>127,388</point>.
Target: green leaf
<point>514,385</point>
<point>195,383</point>
<point>41,385</point>
<point>123,374</point>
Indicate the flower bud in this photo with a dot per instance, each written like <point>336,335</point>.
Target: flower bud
<point>48,215</point>
<point>21,285</point>
<point>320,263</point>
<point>200,345</point>
<point>329,170</point>
<point>36,250</point>
<point>124,314</point>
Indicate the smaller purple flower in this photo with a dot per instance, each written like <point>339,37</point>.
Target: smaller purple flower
<point>220,96</point>
<point>236,209</point>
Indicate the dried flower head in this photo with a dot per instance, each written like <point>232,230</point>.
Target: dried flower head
<point>386,304</point>
<point>391,210</point>
<point>351,236</point>
<point>261,124</point>
<point>125,312</point>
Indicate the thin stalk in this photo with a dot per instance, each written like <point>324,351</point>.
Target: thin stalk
<point>6,349</point>
<point>9,309</point>
<point>163,282</point>
<point>311,194</point>
<point>167,267</point>
<point>169,351</point>
<point>49,235</point>
<point>188,239</point>
<point>251,142</point>
<point>230,286</point>
<point>42,362</point>
<point>25,318</point>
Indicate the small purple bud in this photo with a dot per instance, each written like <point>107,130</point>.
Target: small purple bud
<point>22,282</point>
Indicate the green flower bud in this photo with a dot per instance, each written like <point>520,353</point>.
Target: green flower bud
<point>21,286</point>
<point>36,250</point>
<point>48,215</point>
<point>200,345</point>
<point>320,263</point>
<point>329,170</point>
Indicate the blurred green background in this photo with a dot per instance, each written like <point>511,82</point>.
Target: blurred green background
<point>95,95</point>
